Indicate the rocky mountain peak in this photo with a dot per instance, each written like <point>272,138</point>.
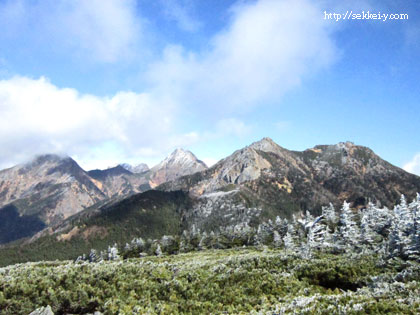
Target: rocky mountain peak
<point>47,164</point>
<point>181,158</point>
<point>179,163</point>
<point>267,145</point>
<point>345,154</point>
<point>47,158</point>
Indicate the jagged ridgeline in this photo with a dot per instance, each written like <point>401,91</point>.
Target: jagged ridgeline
<point>67,211</point>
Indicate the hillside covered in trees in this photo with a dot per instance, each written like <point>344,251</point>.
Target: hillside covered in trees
<point>389,233</point>
<point>344,261</point>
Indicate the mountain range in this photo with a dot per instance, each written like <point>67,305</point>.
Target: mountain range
<point>53,203</point>
<point>52,188</point>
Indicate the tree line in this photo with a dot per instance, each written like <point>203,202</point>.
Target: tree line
<point>374,229</point>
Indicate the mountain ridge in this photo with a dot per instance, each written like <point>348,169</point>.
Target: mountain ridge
<point>50,188</point>
<point>260,181</point>
<point>254,184</point>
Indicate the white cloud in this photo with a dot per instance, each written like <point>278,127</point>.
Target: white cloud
<point>178,11</point>
<point>37,117</point>
<point>210,161</point>
<point>414,165</point>
<point>103,30</point>
<point>268,47</point>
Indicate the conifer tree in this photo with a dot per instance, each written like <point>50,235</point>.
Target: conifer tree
<point>93,256</point>
<point>169,244</point>
<point>289,240</point>
<point>413,246</point>
<point>349,230</point>
<point>113,253</point>
<point>367,222</point>
<point>158,251</point>
<point>330,217</point>
<point>277,241</point>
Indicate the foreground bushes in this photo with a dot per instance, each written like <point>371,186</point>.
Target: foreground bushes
<point>243,280</point>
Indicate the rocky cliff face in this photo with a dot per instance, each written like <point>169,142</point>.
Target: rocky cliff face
<point>118,181</point>
<point>263,180</point>
<point>244,165</point>
<point>50,186</point>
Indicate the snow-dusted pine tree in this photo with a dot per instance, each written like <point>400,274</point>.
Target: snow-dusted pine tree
<point>93,256</point>
<point>138,243</point>
<point>330,216</point>
<point>412,249</point>
<point>113,252</point>
<point>158,251</point>
<point>349,231</point>
<point>204,241</point>
<point>265,233</point>
<point>277,241</point>
<point>290,241</point>
<point>367,223</point>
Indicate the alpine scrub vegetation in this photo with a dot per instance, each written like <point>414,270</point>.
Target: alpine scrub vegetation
<point>345,261</point>
<point>232,281</point>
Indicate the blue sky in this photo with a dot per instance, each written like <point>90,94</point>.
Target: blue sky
<point>128,81</point>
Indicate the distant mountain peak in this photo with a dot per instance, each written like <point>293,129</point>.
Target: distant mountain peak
<point>48,158</point>
<point>267,145</point>
<point>181,157</point>
<point>47,164</point>
<point>112,171</point>
<point>140,168</point>
<point>179,163</point>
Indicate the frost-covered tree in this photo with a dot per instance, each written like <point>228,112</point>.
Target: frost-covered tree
<point>317,233</point>
<point>395,240</point>
<point>194,237</point>
<point>81,258</point>
<point>349,231</point>
<point>281,225</point>
<point>401,230</point>
<point>290,241</point>
<point>214,240</point>
<point>113,253</point>
<point>316,236</point>
<point>412,248</point>
<point>169,244</point>
<point>330,217</point>
<point>138,244</point>
<point>265,233</point>
<point>367,224</point>
<point>205,241</point>
<point>158,251</point>
<point>184,244</point>
<point>309,217</point>
<point>93,256</point>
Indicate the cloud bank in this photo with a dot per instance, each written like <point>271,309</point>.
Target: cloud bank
<point>266,48</point>
<point>38,117</point>
<point>414,165</point>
